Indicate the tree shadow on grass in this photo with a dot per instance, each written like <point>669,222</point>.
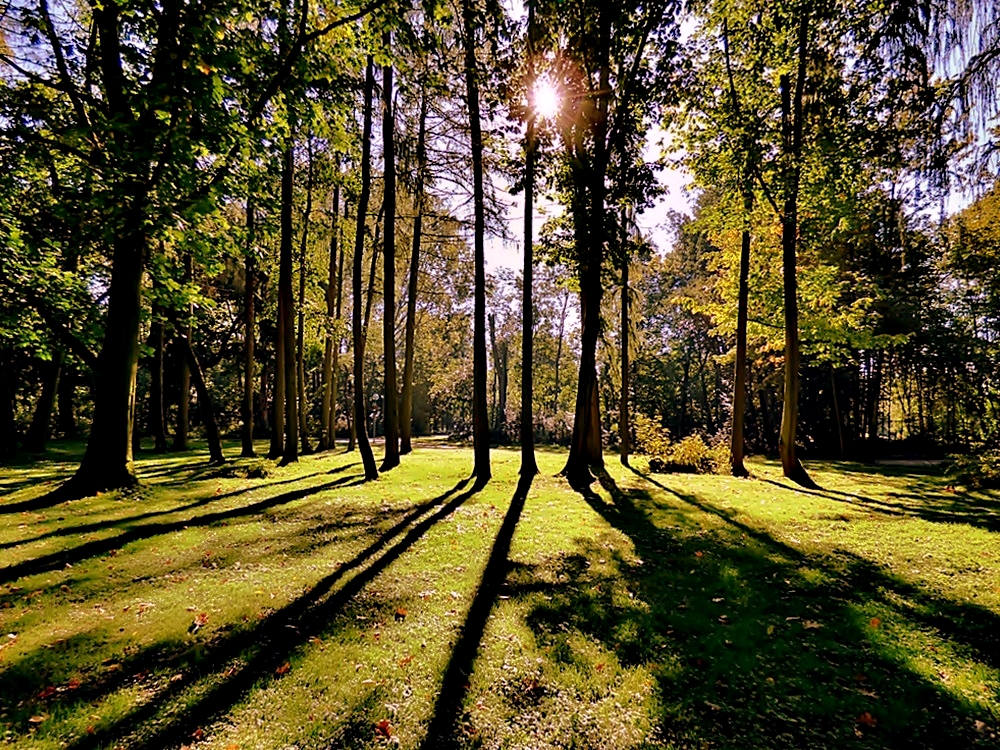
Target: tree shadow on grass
<point>754,644</point>
<point>61,558</point>
<point>928,502</point>
<point>444,722</point>
<point>240,659</point>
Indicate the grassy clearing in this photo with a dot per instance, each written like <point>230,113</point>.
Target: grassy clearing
<point>305,609</point>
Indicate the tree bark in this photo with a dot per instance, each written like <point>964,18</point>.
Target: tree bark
<point>205,403</point>
<point>8,425</point>
<point>480,426</point>
<point>358,331</point>
<point>529,467</point>
<point>791,127</point>
<point>390,397</point>
<point>278,397</point>
<point>406,415</point>
<point>331,350</point>
<point>286,311</point>
<point>41,420</point>
<point>585,446</point>
<point>740,376</point>
<point>624,429</point>
<point>300,369</point>
<point>250,269</point>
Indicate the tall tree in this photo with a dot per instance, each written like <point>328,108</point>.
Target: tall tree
<point>480,415</point>
<point>358,330</point>
<point>249,334</point>
<point>300,367</point>
<point>286,311</point>
<point>331,352</point>
<point>529,467</point>
<point>390,395</point>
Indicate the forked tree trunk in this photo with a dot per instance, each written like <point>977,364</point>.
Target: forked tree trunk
<point>286,311</point>
<point>406,416</point>
<point>390,396</point>
<point>740,376</point>
<point>529,467</point>
<point>480,425</point>
<point>367,457</point>
<point>250,269</point>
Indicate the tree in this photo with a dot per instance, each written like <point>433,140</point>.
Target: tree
<point>390,394</point>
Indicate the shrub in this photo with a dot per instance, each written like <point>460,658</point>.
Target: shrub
<point>692,455</point>
<point>977,471</point>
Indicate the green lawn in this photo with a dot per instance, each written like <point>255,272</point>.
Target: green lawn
<point>308,610</point>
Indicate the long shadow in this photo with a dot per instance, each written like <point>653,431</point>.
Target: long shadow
<point>772,583</point>
<point>60,559</point>
<point>454,685</point>
<point>272,641</point>
<point>87,528</point>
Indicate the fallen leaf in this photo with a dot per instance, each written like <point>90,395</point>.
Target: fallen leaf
<point>811,625</point>
<point>198,733</point>
<point>283,669</point>
<point>867,719</point>
<point>400,613</point>
<point>699,553</point>
<point>47,693</point>
<point>874,622</point>
<point>980,726</point>
<point>73,684</point>
<point>868,693</point>
<point>770,629</point>
<point>405,660</point>
<point>383,728</point>
<point>37,719</point>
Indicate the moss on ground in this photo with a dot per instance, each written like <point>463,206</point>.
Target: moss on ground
<point>265,607</point>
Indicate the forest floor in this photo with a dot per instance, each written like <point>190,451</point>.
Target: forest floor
<point>217,608</point>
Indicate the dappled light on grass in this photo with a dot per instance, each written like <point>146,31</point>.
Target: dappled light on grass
<point>663,610</point>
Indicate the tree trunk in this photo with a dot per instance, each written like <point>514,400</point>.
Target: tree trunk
<point>406,416</point>
<point>250,269</point>
<point>358,331</point>
<point>529,467</point>
<point>792,148</point>
<point>624,428</point>
<point>8,425</point>
<point>300,368</point>
<point>480,426</point>
<point>107,463</point>
<point>740,376</point>
<point>585,446</point>
<point>390,397</point>
<point>278,397</point>
<point>205,403</point>
<point>328,438</point>
<point>556,401</point>
<point>286,311</point>
<point>184,379</point>
<point>38,431</point>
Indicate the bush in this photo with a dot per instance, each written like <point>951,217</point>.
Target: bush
<point>977,471</point>
<point>692,455</point>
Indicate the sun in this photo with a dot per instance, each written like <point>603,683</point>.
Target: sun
<point>546,99</point>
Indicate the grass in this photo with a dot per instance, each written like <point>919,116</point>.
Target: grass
<point>261,607</point>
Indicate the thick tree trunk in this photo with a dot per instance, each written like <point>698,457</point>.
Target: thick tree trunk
<point>406,415</point>
<point>585,447</point>
<point>107,463</point>
<point>286,311</point>
<point>480,426</point>
<point>300,368</point>
<point>250,268</point>
<point>367,457</point>
<point>791,147</point>
<point>529,467</point>
<point>278,397</point>
<point>740,376</point>
<point>205,403</point>
<point>183,379</point>
<point>38,430</point>
<point>556,400</point>
<point>624,428</point>
<point>390,396</point>
<point>328,423</point>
